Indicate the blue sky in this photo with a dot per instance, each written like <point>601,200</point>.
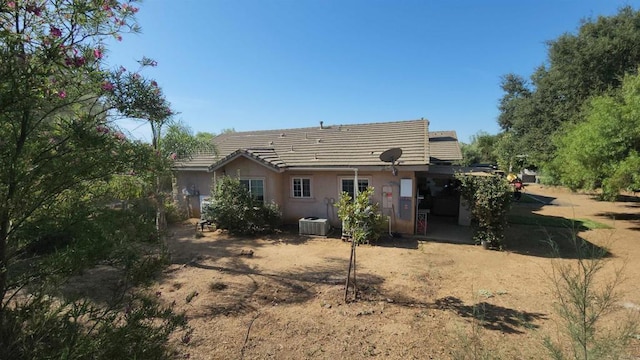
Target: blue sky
<point>272,64</point>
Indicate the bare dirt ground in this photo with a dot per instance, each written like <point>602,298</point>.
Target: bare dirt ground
<point>416,298</point>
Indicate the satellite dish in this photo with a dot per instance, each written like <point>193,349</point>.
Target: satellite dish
<point>391,156</point>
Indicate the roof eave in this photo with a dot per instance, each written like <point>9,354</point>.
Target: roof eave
<point>243,153</point>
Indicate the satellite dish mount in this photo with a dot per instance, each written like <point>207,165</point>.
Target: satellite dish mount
<point>391,156</point>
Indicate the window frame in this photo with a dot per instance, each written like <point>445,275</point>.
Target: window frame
<point>250,179</point>
<point>352,178</point>
<point>293,187</point>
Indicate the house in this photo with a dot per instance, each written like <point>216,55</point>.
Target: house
<point>305,170</point>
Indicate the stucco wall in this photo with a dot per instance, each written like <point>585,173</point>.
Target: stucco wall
<point>325,191</point>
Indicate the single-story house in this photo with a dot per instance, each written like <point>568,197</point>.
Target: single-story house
<point>305,170</point>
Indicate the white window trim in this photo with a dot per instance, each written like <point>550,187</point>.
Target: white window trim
<point>351,178</point>
<point>264,184</point>
<point>293,195</point>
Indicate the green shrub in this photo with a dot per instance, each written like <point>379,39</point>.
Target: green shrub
<point>489,200</point>
<point>360,218</point>
<point>235,210</point>
<point>585,297</point>
<point>43,327</point>
<point>174,213</point>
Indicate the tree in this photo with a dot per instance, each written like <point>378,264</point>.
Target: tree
<point>604,150</point>
<point>57,142</point>
<point>481,150</point>
<point>361,220</point>
<point>516,91</point>
<point>227,131</point>
<point>589,63</point>
<point>134,96</point>
<point>179,140</point>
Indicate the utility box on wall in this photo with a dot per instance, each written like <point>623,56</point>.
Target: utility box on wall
<point>406,194</point>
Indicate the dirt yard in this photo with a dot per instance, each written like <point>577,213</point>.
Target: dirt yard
<point>282,296</point>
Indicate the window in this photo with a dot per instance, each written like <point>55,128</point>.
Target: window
<point>347,185</point>
<point>255,187</point>
<point>301,187</point>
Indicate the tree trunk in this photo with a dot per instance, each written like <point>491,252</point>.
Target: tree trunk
<point>4,235</point>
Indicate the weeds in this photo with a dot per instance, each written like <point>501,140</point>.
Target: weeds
<point>584,300</point>
<point>191,295</point>
<point>471,345</point>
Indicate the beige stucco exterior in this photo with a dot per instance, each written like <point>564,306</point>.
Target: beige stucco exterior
<point>278,188</point>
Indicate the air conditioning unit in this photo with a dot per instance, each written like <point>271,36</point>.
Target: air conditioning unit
<point>313,226</point>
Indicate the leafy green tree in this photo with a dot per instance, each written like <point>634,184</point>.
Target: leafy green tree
<point>60,153</point>
<point>360,218</point>
<point>137,97</point>
<point>481,150</point>
<point>179,140</point>
<point>588,63</point>
<point>604,150</point>
<point>227,130</point>
<point>516,92</point>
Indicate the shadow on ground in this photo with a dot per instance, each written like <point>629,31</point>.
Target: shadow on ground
<point>491,316</point>
<point>624,216</point>
<point>530,233</point>
<point>397,241</point>
<point>551,242</point>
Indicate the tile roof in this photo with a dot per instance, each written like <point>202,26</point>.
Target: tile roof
<point>334,145</point>
<point>444,146</point>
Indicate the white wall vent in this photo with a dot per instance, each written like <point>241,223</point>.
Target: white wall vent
<point>313,226</point>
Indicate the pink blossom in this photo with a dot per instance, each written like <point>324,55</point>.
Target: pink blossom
<point>107,86</point>
<point>173,156</point>
<point>120,136</point>
<point>55,32</point>
<point>154,83</point>
<point>79,61</point>
<point>118,37</point>
<point>11,4</point>
<point>35,10</point>
<point>122,69</point>
<point>133,9</point>
<point>97,53</point>
<point>62,94</point>
<point>102,129</point>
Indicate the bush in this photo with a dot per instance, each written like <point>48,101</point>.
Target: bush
<point>235,210</point>
<point>43,327</point>
<point>174,213</point>
<point>360,218</point>
<point>489,199</point>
